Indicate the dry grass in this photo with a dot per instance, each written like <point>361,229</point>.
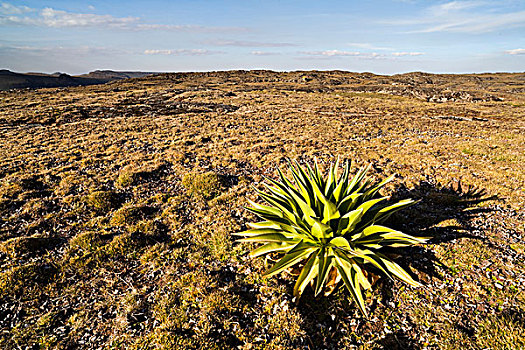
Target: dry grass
<point>117,204</point>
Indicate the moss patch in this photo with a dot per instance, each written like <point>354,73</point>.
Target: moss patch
<point>103,201</point>
<point>205,185</point>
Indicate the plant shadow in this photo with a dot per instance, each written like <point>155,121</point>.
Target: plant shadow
<point>443,214</point>
<point>439,203</point>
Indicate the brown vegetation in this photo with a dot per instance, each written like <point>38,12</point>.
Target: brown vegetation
<point>117,204</point>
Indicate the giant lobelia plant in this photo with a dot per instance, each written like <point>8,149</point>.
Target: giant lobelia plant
<point>328,226</point>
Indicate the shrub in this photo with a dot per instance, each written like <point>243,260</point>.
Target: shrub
<point>127,176</point>
<point>331,222</point>
<point>131,215</point>
<point>103,201</point>
<point>205,185</point>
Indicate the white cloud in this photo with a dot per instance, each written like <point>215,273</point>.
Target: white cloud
<point>358,54</point>
<point>182,52</point>
<point>56,18</point>
<point>264,53</point>
<point>368,46</point>
<point>64,50</point>
<point>241,43</point>
<point>515,52</point>
<point>9,9</point>
<point>338,53</point>
<point>463,17</point>
<point>479,23</point>
<point>186,28</point>
<point>454,6</point>
<point>400,54</point>
<point>49,17</point>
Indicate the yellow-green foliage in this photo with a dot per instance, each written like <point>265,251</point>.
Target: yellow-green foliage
<point>23,278</point>
<point>10,190</point>
<point>501,332</point>
<point>130,215</point>
<point>102,201</point>
<point>334,222</point>
<point>86,251</point>
<point>194,291</point>
<point>69,184</point>
<point>20,246</point>
<point>174,211</point>
<point>86,241</point>
<point>126,177</point>
<point>147,227</point>
<point>206,185</point>
<point>126,244</point>
<point>132,174</point>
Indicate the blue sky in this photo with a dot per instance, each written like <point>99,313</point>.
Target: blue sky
<point>380,36</point>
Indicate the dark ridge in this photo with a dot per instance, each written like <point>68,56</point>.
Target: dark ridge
<point>11,80</point>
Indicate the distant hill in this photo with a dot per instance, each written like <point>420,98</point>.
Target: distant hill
<point>12,80</point>
<point>110,75</point>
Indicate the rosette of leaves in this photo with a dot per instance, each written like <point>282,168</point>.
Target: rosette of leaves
<point>328,226</point>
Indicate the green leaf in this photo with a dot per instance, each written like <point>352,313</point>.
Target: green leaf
<point>297,253</point>
<point>366,255</point>
<point>342,184</point>
<point>372,192</point>
<point>270,248</point>
<point>263,224</point>
<point>386,237</point>
<point>325,263</point>
<point>258,231</point>
<point>307,274</point>
<point>348,276</point>
<point>270,237</point>
<point>349,221</point>
<point>354,184</point>
<point>349,202</point>
<point>398,271</point>
<point>331,182</point>
<point>330,212</point>
<point>369,209</point>
<point>282,204</point>
<point>385,212</point>
<point>341,243</point>
<point>321,230</point>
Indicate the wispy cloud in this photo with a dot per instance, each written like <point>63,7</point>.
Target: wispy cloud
<point>474,17</point>
<point>64,51</point>
<point>182,52</point>
<point>186,28</point>
<point>339,53</point>
<point>243,43</point>
<point>400,54</point>
<point>515,52</point>
<point>369,46</point>
<point>264,53</point>
<point>49,17</point>
<point>479,24</point>
<point>9,9</point>
<point>454,6</point>
<point>358,54</point>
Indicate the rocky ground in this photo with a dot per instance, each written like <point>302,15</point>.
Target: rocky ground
<point>118,201</point>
